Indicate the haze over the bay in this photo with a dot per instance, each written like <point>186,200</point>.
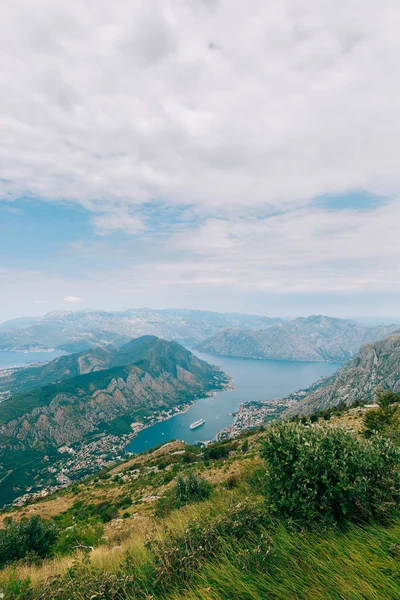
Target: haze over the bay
<point>209,154</point>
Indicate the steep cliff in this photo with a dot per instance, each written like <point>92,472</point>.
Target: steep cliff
<point>375,366</point>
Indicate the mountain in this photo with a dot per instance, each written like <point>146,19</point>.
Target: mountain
<point>315,338</point>
<point>375,366</point>
<point>64,367</point>
<point>54,334</point>
<point>103,390</point>
<point>78,330</point>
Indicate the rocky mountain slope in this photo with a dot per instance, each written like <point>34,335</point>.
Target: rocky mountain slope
<point>96,392</point>
<point>143,376</point>
<point>375,366</point>
<point>77,330</point>
<point>315,338</point>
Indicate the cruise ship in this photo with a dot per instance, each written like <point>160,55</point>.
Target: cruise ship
<point>197,424</point>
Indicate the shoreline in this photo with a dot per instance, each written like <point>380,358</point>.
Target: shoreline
<point>229,386</point>
<point>115,444</point>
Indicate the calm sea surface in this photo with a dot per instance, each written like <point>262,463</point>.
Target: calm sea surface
<point>253,380</point>
<point>18,359</point>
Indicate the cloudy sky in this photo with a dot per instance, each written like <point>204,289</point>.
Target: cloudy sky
<point>212,154</point>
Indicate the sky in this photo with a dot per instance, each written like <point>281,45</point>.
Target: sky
<point>209,154</point>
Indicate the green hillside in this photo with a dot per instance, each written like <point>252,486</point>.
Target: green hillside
<point>233,520</point>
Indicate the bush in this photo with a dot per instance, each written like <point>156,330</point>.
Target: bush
<point>30,539</point>
<point>316,473</point>
<point>384,420</point>
<point>192,488</point>
<point>217,451</point>
<point>90,583</point>
<point>386,398</point>
<point>17,589</point>
<point>79,534</point>
<point>188,457</point>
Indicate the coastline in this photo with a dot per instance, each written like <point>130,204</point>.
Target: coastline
<point>76,464</point>
<point>229,386</point>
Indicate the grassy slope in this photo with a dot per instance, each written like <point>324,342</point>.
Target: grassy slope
<point>357,563</point>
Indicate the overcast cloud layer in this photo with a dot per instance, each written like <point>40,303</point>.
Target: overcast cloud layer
<point>209,127</point>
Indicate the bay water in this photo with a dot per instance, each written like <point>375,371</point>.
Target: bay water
<point>19,359</point>
<point>254,380</point>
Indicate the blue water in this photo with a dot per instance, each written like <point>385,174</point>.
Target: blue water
<point>18,359</point>
<point>253,380</point>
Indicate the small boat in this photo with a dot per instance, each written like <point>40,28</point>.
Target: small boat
<point>197,424</point>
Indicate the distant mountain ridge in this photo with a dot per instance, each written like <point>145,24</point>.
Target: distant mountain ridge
<point>375,366</point>
<point>77,330</point>
<point>315,338</point>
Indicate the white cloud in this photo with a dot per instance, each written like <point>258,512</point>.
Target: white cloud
<point>118,219</point>
<point>73,299</point>
<point>235,113</point>
<point>227,106</point>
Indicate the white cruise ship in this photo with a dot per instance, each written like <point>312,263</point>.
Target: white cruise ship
<point>197,424</point>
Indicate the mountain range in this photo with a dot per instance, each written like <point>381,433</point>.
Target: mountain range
<point>315,338</point>
<point>376,366</point>
<point>102,390</point>
<point>77,330</point>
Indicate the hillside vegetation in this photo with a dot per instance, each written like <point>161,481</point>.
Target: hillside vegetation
<point>298,510</point>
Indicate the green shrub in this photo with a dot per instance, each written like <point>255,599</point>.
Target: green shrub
<point>192,488</point>
<point>319,473</point>
<point>168,476</point>
<point>124,502</point>
<point>83,583</point>
<point>386,398</point>
<point>79,534</point>
<point>217,451</point>
<point>17,589</point>
<point>188,457</point>
<point>105,511</point>
<point>384,420</point>
<point>30,539</point>
<point>232,481</point>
